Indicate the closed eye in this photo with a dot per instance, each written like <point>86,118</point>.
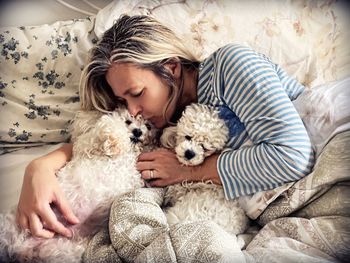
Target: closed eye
<point>138,94</point>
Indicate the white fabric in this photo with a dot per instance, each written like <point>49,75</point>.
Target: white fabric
<point>325,111</point>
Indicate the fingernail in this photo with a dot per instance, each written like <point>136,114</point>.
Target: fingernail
<point>69,234</point>
<point>76,220</point>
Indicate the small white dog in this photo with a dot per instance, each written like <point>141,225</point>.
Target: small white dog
<point>105,150</point>
<point>199,133</point>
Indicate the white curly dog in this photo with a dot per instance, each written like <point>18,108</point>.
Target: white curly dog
<point>199,133</point>
<point>105,150</point>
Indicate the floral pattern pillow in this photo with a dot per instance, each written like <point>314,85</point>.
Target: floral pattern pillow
<point>40,69</point>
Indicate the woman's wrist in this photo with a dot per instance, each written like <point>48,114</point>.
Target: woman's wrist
<point>193,174</point>
<point>207,171</point>
<point>53,161</point>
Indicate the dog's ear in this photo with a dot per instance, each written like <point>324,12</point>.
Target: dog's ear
<point>82,123</point>
<point>168,138</point>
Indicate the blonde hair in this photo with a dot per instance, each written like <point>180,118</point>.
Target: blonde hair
<point>142,41</point>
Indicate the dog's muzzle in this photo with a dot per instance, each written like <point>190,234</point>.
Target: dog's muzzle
<point>135,140</point>
<point>136,135</point>
<point>189,154</point>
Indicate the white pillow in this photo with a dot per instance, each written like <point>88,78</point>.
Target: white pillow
<point>39,79</point>
<point>325,111</point>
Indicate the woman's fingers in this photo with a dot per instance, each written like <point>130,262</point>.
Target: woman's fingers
<point>151,156</point>
<point>157,183</point>
<point>51,222</point>
<point>145,165</point>
<point>160,167</point>
<point>35,223</point>
<point>150,174</point>
<point>65,208</point>
<point>36,227</point>
<point>22,220</point>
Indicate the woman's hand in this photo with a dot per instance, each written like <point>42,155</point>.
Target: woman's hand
<point>161,168</point>
<point>40,189</point>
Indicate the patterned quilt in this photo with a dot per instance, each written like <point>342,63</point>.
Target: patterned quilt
<point>309,222</point>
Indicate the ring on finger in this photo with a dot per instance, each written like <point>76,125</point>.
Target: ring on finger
<point>151,174</point>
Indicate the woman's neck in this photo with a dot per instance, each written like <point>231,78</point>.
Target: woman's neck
<point>189,92</point>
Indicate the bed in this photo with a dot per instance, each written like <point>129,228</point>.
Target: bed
<point>40,66</point>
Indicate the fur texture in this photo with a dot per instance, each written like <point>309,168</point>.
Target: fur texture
<point>199,133</point>
<point>105,149</point>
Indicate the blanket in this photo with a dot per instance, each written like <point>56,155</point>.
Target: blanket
<point>309,222</point>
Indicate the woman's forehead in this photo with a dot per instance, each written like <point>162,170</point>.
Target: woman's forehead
<point>122,77</point>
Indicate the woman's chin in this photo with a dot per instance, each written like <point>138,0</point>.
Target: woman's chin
<point>159,123</point>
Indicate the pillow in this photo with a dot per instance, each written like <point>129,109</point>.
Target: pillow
<point>325,111</point>
<point>39,79</point>
<point>307,38</point>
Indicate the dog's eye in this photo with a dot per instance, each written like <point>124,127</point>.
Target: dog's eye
<point>188,138</point>
<point>148,126</point>
<point>128,122</point>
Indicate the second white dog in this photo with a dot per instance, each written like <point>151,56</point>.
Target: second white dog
<point>199,133</point>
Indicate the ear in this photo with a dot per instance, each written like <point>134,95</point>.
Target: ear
<point>168,138</point>
<point>111,146</point>
<point>174,67</point>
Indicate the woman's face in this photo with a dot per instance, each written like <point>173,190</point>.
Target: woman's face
<point>142,90</point>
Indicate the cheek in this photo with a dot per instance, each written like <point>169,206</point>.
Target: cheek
<point>157,102</point>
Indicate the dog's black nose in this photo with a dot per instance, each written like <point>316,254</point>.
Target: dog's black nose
<point>189,154</point>
<point>137,132</point>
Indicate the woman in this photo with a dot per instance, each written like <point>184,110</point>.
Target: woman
<point>141,63</point>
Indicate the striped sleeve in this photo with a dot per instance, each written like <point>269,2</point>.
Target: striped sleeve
<point>281,150</point>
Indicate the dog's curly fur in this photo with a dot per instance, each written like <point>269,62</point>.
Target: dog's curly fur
<point>105,150</point>
<point>199,133</point>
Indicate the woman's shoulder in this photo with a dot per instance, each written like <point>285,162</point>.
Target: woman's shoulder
<point>230,50</point>
<point>225,55</point>
<point>241,54</point>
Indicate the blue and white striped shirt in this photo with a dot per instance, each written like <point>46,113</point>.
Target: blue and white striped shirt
<point>255,95</point>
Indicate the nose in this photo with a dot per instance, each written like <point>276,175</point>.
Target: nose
<point>134,109</point>
<point>189,154</point>
<point>137,132</point>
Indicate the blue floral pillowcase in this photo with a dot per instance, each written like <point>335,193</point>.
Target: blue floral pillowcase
<point>40,69</point>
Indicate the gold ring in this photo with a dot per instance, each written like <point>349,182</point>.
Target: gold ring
<point>151,174</point>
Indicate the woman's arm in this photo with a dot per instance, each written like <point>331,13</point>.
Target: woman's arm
<point>40,189</point>
<point>281,150</point>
